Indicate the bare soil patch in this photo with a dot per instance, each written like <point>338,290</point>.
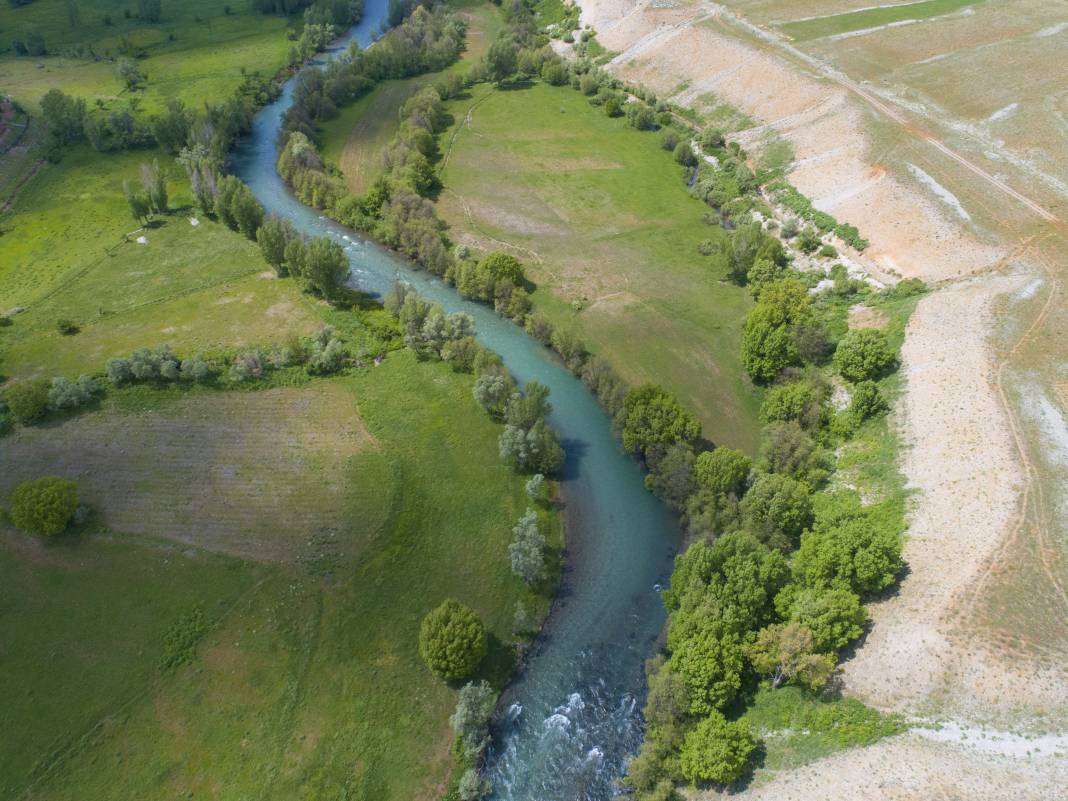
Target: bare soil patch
<point>250,474</point>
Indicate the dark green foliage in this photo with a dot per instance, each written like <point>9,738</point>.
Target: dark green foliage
<point>789,450</point>
<point>851,547</point>
<point>325,266</point>
<point>452,640</point>
<point>717,750</point>
<point>834,616</point>
<point>867,402</point>
<point>653,416</point>
<point>722,471</point>
<point>863,354</point>
<point>706,652</point>
<point>64,115</point>
<point>28,400</point>
<point>44,506</point>
<point>777,508</point>
<point>671,474</point>
<point>180,641</point>
<point>801,401</point>
<point>769,339</point>
<point>684,154</point>
<point>273,236</point>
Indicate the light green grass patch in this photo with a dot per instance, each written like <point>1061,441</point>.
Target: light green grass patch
<point>805,30</point>
<point>600,214</point>
<point>204,61</point>
<point>799,727</point>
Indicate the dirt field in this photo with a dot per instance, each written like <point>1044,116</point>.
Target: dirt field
<point>892,133</point>
<point>249,474</point>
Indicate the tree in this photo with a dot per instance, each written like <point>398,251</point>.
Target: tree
<point>171,129</point>
<point>527,550</point>
<point>716,750</point>
<point>452,640</point>
<point>787,652</point>
<point>471,719</point>
<point>862,554</point>
<point>834,616</point>
<point>706,652</point>
<point>472,787</point>
<point>723,471</point>
<point>273,236</point>
<point>154,182</point>
<point>149,10</point>
<point>66,394</point>
<point>803,401</point>
<point>140,205</point>
<point>226,193</point>
<point>534,486</point>
<point>535,449</point>
<point>296,254</point>
<point>493,393</point>
<point>130,74</point>
<point>501,60</point>
<point>28,400</point>
<point>684,154</point>
<point>325,266</point>
<point>654,416</point>
<point>789,450</point>
<point>777,508</point>
<point>863,354</point>
<point>502,266</point>
<point>740,250</point>
<point>768,338</point>
<point>248,212</point>
<point>44,506</point>
<point>671,473</point>
<point>64,115</point>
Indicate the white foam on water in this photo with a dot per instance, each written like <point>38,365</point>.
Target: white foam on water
<point>557,721</point>
<point>944,194</point>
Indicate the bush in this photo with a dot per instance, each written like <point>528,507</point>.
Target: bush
<point>863,354</point>
<point>868,402</point>
<point>65,394</point>
<point>716,750</point>
<point>452,640</point>
<point>654,416</point>
<point>66,327</point>
<point>684,155</point>
<point>44,506</point>
<point>669,139</point>
<point>28,401</point>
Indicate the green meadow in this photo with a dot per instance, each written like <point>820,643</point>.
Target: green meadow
<point>306,681</point>
<point>601,217</point>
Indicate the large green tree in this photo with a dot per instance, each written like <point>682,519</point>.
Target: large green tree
<point>44,506</point>
<point>452,640</point>
<point>653,416</point>
<point>716,750</point>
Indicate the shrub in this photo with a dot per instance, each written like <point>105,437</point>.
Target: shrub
<point>65,394</point>
<point>863,354</point>
<point>669,139</point>
<point>452,640</point>
<point>119,371</point>
<point>684,155</point>
<point>28,400</point>
<point>66,327</point>
<point>716,750</point>
<point>867,402</point>
<point>777,508</point>
<point>471,719</point>
<point>248,365</point>
<point>44,506</point>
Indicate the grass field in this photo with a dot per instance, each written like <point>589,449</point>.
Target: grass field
<point>356,138</point>
<point>308,683</point>
<point>815,28</point>
<point>64,254</point>
<point>601,216</point>
<point>203,61</point>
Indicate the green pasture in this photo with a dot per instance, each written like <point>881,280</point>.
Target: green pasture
<point>308,683</point>
<point>601,217</point>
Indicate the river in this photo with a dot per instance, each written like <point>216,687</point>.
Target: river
<point>571,718</point>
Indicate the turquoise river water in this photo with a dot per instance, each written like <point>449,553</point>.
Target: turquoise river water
<point>570,719</point>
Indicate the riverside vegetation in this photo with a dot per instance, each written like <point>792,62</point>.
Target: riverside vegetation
<point>261,634</point>
<point>785,548</point>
